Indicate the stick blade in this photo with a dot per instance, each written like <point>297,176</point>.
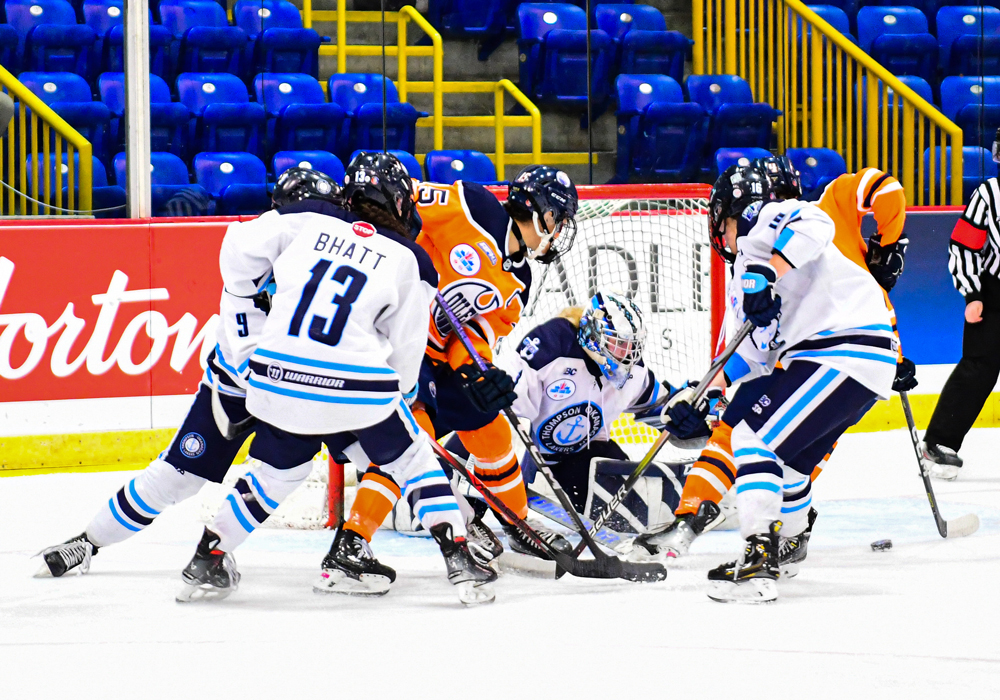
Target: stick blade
<point>612,567</point>
<point>963,526</point>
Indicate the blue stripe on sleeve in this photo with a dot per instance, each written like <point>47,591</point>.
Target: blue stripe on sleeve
<point>736,368</point>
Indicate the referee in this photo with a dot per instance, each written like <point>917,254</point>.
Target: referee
<point>974,263</point>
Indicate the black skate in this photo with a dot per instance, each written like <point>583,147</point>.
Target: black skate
<point>939,461</point>
<point>520,543</point>
<point>210,574</point>
<point>753,577</point>
<point>675,539</point>
<point>474,582</point>
<point>350,568</point>
<point>792,550</point>
<point>484,545</point>
<point>72,555</point>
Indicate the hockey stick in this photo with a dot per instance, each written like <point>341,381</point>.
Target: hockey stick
<point>614,567</point>
<point>959,527</point>
<point>664,436</point>
<point>555,512</point>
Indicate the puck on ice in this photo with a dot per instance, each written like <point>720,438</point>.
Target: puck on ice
<point>882,545</point>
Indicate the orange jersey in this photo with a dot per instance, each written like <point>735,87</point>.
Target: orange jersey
<point>465,232</point>
<point>848,198</point>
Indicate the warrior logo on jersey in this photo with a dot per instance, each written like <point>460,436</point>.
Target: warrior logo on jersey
<point>467,298</point>
<point>565,431</point>
<point>275,373</point>
<point>563,389</point>
<point>192,445</point>
<point>464,260</point>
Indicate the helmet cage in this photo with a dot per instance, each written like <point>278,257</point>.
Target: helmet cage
<point>616,348</point>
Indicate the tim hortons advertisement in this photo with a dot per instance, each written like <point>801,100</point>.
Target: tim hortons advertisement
<point>114,310</point>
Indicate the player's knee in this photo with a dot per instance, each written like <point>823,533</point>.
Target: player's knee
<point>161,486</point>
<point>276,484</point>
<point>490,444</point>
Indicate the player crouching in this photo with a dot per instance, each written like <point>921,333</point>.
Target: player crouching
<point>824,342</point>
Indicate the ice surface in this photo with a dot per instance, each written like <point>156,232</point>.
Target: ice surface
<point>919,621</point>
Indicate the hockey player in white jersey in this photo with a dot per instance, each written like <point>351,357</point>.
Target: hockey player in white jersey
<point>337,358</point>
<point>199,452</point>
<point>824,341</point>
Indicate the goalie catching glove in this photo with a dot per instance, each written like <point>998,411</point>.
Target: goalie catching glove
<point>489,391</point>
<point>679,416</point>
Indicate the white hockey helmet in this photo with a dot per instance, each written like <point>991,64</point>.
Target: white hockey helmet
<point>613,334</point>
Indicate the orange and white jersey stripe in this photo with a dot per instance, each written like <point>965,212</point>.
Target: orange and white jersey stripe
<point>847,199</point>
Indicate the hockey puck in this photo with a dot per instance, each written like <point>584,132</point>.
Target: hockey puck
<point>882,546</point>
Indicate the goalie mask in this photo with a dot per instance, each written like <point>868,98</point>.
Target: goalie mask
<point>612,333</point>
<point>535,192</point>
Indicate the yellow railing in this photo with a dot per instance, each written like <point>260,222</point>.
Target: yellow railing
<point>831,93</point>
<point>40,134</point>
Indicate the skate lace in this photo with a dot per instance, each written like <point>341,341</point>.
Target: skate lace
<point>72,553</point>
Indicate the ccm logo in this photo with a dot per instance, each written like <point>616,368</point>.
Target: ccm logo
<point>363,229</point>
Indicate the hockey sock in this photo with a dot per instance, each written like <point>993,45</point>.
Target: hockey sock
<point>712,475</point>
<point>138,502</point>
<point>254,497</point>
<point>759,482</point>
<point>377,494</point>
<point>796,499</point>
<point>496,464</point>
<point>427,489</point>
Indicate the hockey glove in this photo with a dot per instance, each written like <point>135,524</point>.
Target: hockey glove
<point>490,391</point>
<point>906,375</point>
<point>687,421</point>
<point>886,262</point>
<point>760,304</point>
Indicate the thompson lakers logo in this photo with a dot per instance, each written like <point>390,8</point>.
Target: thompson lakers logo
<point>564,431</point>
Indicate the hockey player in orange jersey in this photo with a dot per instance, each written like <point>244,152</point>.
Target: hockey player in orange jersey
<point>846,200</point>
<point>480,249</point>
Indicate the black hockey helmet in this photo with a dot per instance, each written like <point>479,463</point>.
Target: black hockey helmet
<point>539,190</point>
<point>784,178</point>
<point>738,188</point>
<point>380,180</point>
<point>296,184</point>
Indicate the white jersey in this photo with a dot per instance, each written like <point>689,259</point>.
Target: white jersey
<point>236,334</point>
<point>562,392</point>
<point>833,313</point>
<point>348,322</point>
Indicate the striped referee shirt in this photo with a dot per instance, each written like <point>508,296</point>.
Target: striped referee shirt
<point>974,249</point>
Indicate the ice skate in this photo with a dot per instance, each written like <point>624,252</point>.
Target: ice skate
<point>350,568</point>
<point>675,539</point>
<point>792,550</point>
<point>520,543</point>
<point>484,545</point>
<point>72,555</point>
<point>940,462</point>
<point>474,582</point>
<point>211,574</point>
<point>753,577</point>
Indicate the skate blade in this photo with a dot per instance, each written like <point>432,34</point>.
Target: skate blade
<point>336,581</point>
<point>526,565</point>
<point>750,592</point>
<point>201,592</point>
<point>944,472</point>
<point>471,594</point>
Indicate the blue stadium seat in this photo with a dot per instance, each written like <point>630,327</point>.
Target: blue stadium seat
<point>736,120</point>
<point>100,174</point>
<point>552,49</point>
<point>835,16</point>
<point>360,94</point>
<point>278,43</point>
<point>70,96</point>
<point>817,167</point>
<point>298,116</point>
<point>660,136</point>
<point>410,163</point>
<point>323,161</point>
<point>970,40</point>
<point>173,194</point>
<point>160,42</point>
<point>977,167</point>
<point>237,181</point>
<point>897,38</point>
<point>25,15</point>
<point>168,120</point>
<point>203,40</point>
<point>641,40</point>
<point>724,157</point>
<point>103,196</point>
<point>973,103</point>
<point>481,20</point>
<point>9,56</point>
<point>49,38</point>
<point>448,166</point>
<point>225,118</point>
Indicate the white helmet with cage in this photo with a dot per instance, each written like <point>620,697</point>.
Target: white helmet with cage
<point>613,335</point>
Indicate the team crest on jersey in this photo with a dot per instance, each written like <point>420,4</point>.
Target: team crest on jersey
<point>465,260</point>
<point>752,211</point>
<point>487,251</point>
<point>192,445</point>
<point>467,298</point>
<point>563,389</point>
<point>363,229</point>
<point>529,346</point>
<point>275,373</point>
<point>564,431</point>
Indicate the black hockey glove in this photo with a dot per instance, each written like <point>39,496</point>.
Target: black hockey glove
<point>906,375</point>
<point>886,263</point>
<point>490,391</point>
<point>687,421</point>
<point>760,304</point>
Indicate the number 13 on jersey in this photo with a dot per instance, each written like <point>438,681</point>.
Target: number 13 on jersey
<point>341,289</point>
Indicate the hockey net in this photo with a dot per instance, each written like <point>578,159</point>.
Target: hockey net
<point>650,242</point>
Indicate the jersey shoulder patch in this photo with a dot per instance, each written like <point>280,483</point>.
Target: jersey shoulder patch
<point>548,342</point>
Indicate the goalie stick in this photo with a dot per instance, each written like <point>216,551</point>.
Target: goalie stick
<point>610,567</point>
<point>664,436</point>
<point>959,527</point>
<point>556,513</point>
